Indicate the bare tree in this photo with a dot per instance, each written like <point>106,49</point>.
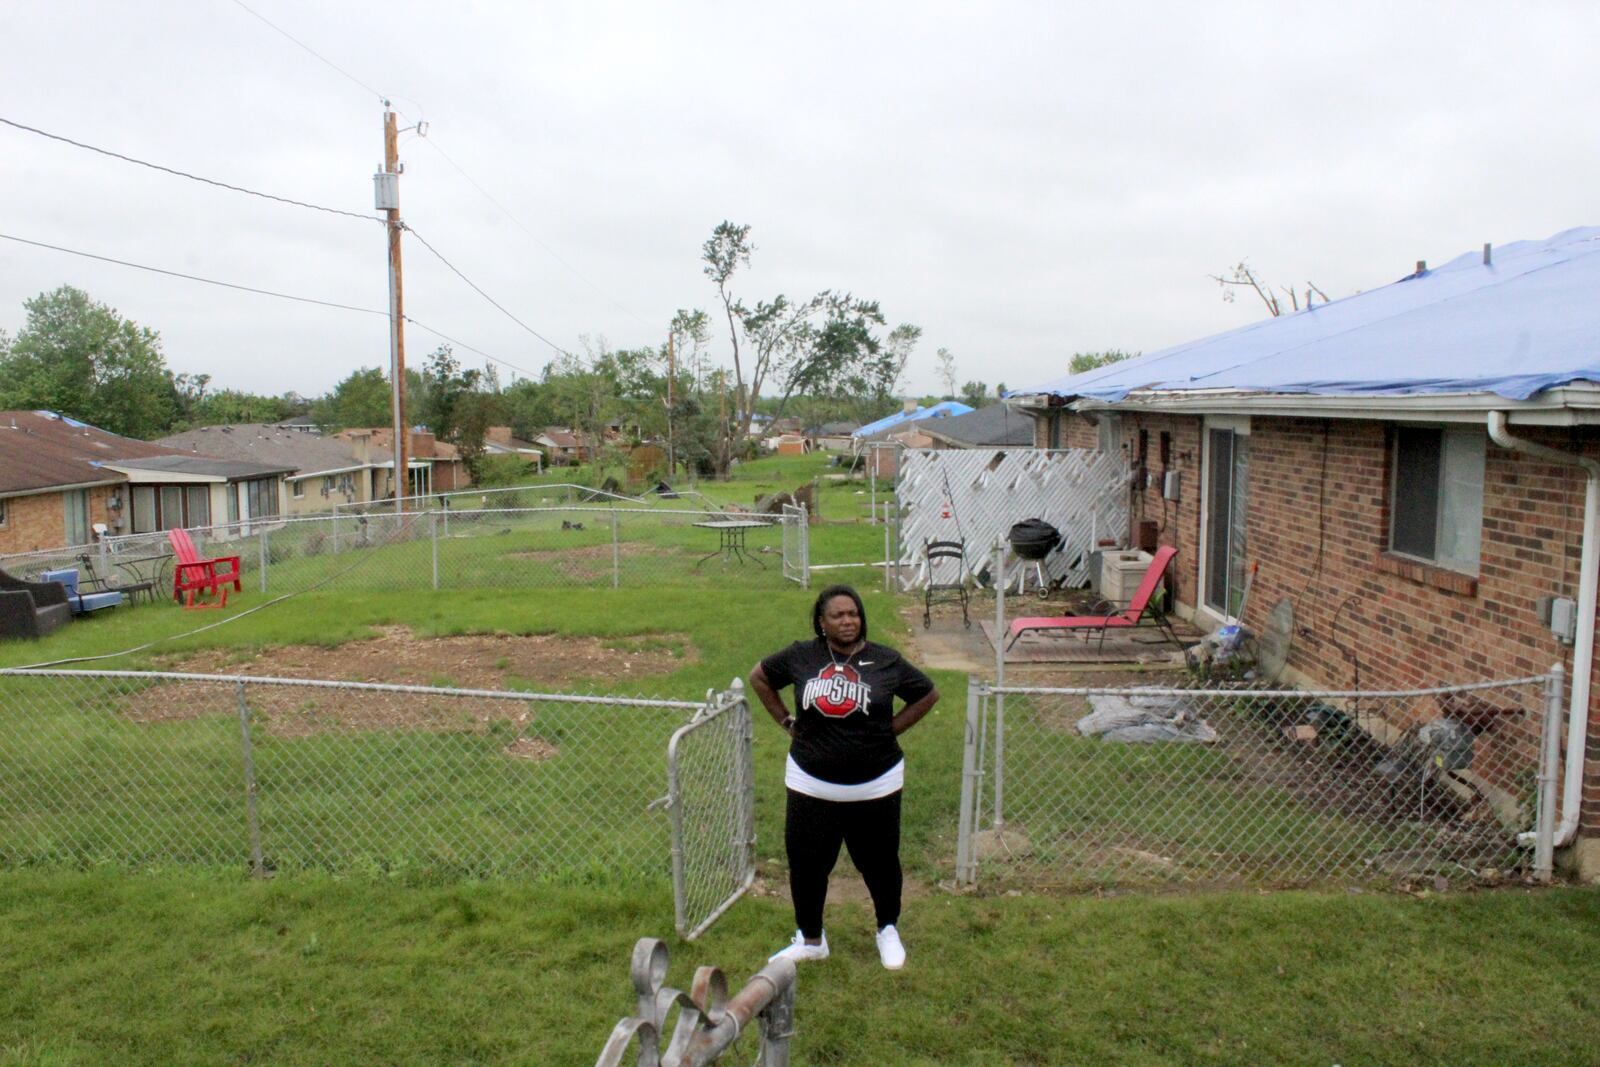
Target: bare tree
<point>947,371</point>
<point>1244,276</point>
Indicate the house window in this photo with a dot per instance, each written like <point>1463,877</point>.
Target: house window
<point>3,513</point>
<point>75,503</point>
<point>1108,432</point>
<point>197,505</point>
<point>1436,495</point>
<point>168,507</point>
<point>297,486</point>
<point>262,497</point>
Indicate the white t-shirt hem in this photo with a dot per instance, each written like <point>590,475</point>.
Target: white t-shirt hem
<point>886,784</point>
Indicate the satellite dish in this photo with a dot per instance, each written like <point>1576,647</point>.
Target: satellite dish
<point>1272,647</point>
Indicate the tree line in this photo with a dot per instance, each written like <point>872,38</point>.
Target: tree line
<point>822,357</point>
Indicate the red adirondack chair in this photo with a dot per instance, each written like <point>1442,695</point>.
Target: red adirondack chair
<point>1128,617</point>
<point>195,579</point>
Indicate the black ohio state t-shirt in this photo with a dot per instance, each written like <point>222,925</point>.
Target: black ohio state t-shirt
<point>844,710</point>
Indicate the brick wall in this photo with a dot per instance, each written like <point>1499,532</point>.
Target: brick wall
<point>1318,526</point>
<point>38,522</point>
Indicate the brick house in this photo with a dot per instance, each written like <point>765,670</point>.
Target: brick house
<point>432,465</point>
<point>1413,468</point>
<point>61,478</point>
<point>321,472</point>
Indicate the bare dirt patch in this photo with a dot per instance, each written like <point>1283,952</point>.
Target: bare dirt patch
<point>468,661</point>
<point>398,656</point>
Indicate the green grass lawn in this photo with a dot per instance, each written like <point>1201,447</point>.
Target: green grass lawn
<point>145,961</point>
<point>162,968</point>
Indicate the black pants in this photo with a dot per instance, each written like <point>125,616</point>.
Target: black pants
<point>812,833</point>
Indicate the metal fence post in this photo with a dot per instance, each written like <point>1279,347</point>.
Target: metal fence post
<point>616,552</point>
<point>257,864</point>
<point>805,547</point>
<point>433,537</point>
<point>445,502</point>
<point>1549,758</point>
<point>744,777</point>
<point>965,873</point>
<point>262,538</point>
<point>887,588</point>
<point>999,682</point>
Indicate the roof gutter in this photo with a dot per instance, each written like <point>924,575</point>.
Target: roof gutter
<point>1583,644</point>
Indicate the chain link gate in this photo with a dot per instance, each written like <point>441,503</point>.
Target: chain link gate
<point>711,800</point>
<point>1086,788</point>
<point>797,545</point>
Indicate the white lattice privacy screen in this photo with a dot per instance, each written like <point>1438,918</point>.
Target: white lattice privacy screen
<point>977,494</point>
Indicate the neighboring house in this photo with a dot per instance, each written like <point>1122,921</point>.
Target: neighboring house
<point>322,471</point>
<point>432,466</point>
<point>907,428</point>
<point>300,424</point>
<point>884,427</point>
<point>498,441</point>
<point>169,491</point>
<point>60,478</point>
<point>996,426</point>
<point>564,446</point>
<point>1410,467</point>
<point>834,436</point>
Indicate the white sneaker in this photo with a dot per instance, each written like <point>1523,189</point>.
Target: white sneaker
<point>890,950</point>
<point>798,950</point>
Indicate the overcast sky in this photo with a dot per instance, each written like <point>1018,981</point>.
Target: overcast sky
<point>1023,181</point>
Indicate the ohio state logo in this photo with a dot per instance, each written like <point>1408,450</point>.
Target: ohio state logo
<point>837,691</point>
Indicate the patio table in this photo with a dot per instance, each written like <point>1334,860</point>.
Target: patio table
<point>145,574</point>
<point>730,539</point>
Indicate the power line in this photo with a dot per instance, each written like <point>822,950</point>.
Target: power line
<point>192,277</point>
<point>186,174</point>
<point>535,237</point>
<point>483,294</point>
<point>311,50</point>
<point>265,292</point>
<point>525,372</point>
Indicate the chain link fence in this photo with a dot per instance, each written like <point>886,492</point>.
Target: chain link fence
<point>711,794</point>
<point>1082,788</point>
<point>555,494</point>
<point>549,547</point>
<point>281,775</point>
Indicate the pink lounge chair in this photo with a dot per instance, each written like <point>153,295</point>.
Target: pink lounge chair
<point>1127,618</point>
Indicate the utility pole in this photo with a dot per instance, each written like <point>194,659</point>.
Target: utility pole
<point>387,184</point>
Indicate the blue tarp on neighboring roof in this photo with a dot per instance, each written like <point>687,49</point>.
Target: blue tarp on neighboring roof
<point>933,411</point>
<point>1526,322</point>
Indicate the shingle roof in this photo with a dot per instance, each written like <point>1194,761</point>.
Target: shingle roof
<point>306,454</point>
<point>40,449</point>
<point>993,426</point>
<point>231,469</point>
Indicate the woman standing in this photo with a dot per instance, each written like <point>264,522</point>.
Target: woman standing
<point>845,768</point>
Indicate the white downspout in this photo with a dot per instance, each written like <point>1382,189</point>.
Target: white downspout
<point>1583,644</point>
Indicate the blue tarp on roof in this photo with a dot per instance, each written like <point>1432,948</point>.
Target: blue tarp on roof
<point>933,411</point>
<point>1526,322</point>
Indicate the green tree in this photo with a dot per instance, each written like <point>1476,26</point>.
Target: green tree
<point>362,399</point>
<point>79,357</point>
<point>1082,361</point>
<point>200,407</point>
<point>975,394</point>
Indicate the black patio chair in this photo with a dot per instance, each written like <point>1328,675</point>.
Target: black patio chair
<point>947,556</point>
